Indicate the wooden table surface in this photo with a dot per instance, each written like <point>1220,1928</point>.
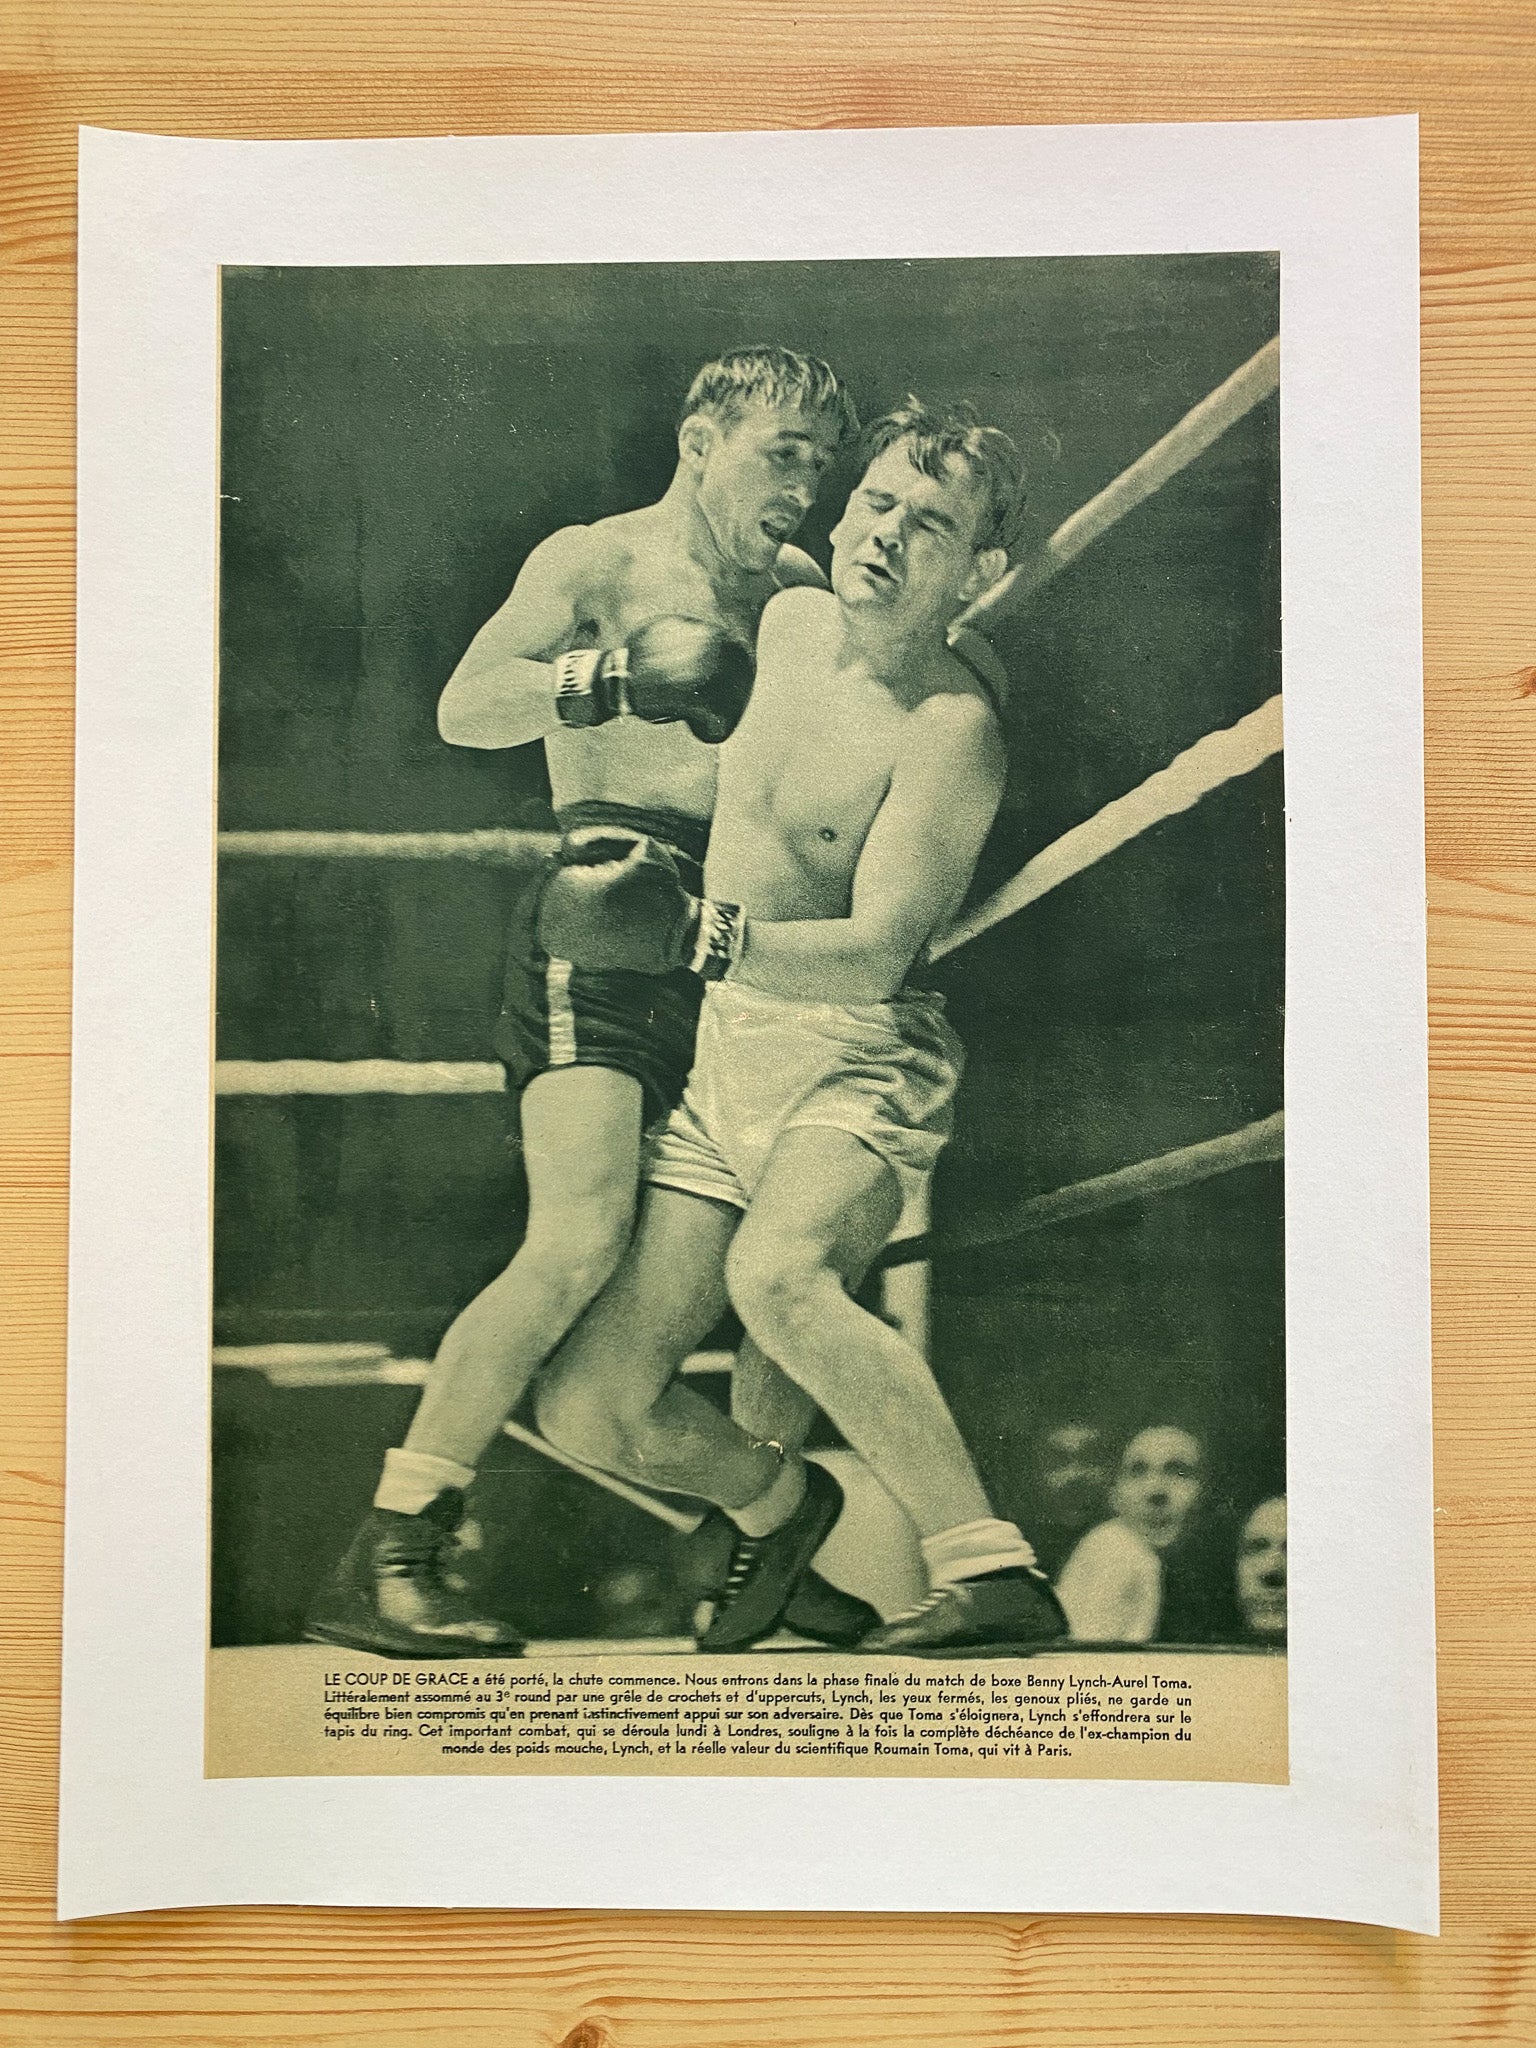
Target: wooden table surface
<point>470,1980</point>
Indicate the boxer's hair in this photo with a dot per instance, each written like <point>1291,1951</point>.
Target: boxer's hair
<point>935,436</point>
<point>725,388</point>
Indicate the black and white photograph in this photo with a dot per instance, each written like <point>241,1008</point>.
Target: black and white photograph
<point>750,963</point>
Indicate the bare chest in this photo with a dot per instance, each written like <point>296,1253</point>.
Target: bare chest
<point>672,589</point>
<point>813,783</point>
<point>629,761</point>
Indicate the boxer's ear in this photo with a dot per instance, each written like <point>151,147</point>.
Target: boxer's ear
<point>695,437</point>
<point>990,563</point>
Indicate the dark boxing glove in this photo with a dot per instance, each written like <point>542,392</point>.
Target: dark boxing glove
<point>615,902</point>
<point>674,669</point>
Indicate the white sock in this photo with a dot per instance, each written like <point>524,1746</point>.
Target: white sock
<point>412,1480</point>
<point>771,1510</point>
<point>972,1549</point>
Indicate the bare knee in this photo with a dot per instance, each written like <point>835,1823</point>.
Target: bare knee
<point>780,1290</point>
<point>572,1249</point>
<point>576,1413</point>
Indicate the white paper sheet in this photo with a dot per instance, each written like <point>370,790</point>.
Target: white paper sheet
<point>1353,1834</point>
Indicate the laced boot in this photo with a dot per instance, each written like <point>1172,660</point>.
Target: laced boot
<point>765,1570</point>
<point>1005,1611</point>
<point>396,1592</point>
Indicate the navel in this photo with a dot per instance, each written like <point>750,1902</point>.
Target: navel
<point>828,833</point>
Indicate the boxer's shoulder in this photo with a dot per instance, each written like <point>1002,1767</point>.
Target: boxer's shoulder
<point>796,570</point>
<point>964,692</point>
<point>804,608</point>
<point>956,724</point>
<point>963,713</point>
<point>575,558</point>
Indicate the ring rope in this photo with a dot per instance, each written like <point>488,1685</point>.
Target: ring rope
<point>1165,1172</point>
<point>1249,385</point>
<point>358,1077</point>
<point>1218,758</point>
<point>493,848</point>
<point>681,1519</point>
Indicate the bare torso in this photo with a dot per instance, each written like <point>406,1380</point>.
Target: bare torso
<point>805,774</point>
<point>640,573</point>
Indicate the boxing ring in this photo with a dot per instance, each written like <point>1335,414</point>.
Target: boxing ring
<point>1214,761</point>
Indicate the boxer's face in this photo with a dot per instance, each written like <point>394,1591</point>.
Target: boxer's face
<point>757,477</point>
<point>906,546</point>
<point>1157,1485</point>
<point>1261,1574</point>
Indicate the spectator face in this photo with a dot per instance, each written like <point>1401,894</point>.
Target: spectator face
<point>1158,1484</point>
<point>1074,1475</point>
<point>1261,1574</point>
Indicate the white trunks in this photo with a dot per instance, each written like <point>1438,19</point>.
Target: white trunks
<point>884,1072</point>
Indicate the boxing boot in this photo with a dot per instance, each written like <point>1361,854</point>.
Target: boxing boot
<point>826,1614</point>
<point>394,1591</point>
<point>1004,1611</point>
<point>765,1570</point>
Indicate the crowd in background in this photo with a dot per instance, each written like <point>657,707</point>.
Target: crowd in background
<point>1138,1547</point>
<point>1144,1541</point>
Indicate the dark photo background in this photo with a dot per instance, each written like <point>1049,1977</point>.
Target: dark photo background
<point>394,443</point>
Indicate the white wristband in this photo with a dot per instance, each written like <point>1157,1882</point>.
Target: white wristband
<point>615,667</point>
<point>720,936</point>
<point>580,675</point>
<point>575,675</point>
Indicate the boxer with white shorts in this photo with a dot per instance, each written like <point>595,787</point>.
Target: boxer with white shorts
<point>853,802</point>
<point>884,1073</point>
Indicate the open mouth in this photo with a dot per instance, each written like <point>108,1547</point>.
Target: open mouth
<point>778,530</point>
<point>877,572</point>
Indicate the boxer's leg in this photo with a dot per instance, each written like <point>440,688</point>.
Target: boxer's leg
<point>581,1145</point>
<point>824,1208</point>
<point>395,1590</point>
<point>610,1395</point>
<point>825,1205</point>
<point>766,1401</point>
<point>767,1404</point>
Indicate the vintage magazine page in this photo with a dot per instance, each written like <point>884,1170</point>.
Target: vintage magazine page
<point>758,1023</point>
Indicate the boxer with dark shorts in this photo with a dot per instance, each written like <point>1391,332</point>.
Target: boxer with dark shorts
<point>626,648</point>
<point>557,1015</point>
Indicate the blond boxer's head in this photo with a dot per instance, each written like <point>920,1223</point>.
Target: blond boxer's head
<point>759,429</point>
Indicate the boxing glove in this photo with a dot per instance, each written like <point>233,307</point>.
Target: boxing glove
<point>615,902</point>
<point>673,669</point>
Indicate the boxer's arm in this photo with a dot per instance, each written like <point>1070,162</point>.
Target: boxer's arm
<point>913,871</point>
<point>502,692</point>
